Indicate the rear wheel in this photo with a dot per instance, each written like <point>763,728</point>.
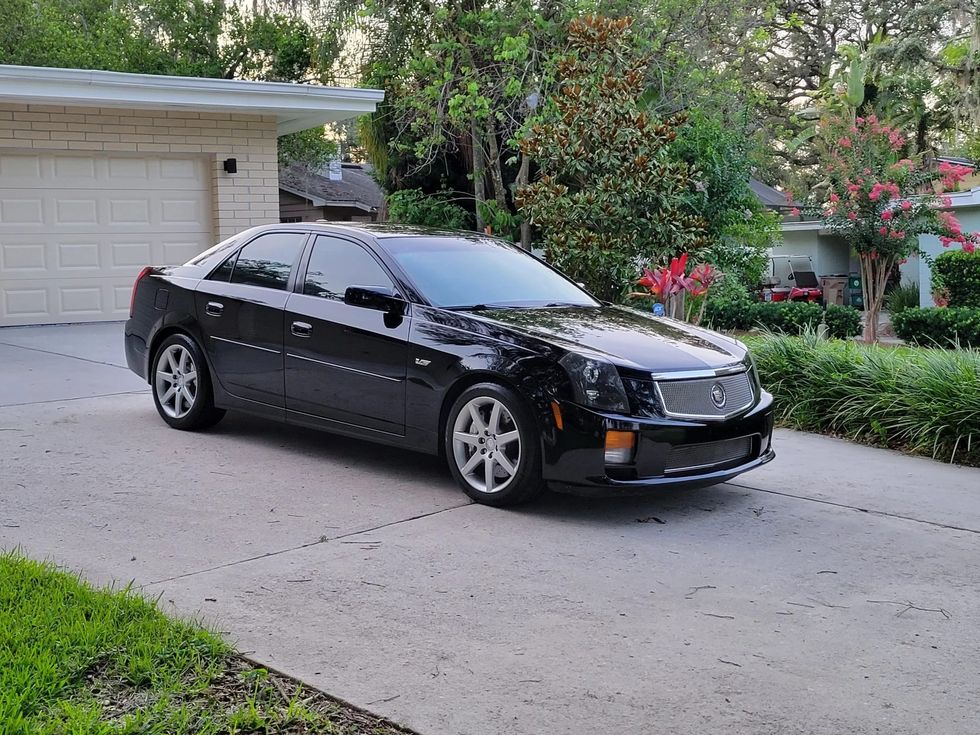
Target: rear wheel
<point>182,386</point>
<point>493,446</point>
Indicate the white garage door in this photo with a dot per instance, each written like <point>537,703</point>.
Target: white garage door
<point>76,229</point>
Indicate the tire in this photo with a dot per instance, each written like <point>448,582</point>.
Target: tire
<point>490,423</point>
<point>184,402</point>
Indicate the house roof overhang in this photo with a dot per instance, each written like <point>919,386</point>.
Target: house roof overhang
<point>295,106</point>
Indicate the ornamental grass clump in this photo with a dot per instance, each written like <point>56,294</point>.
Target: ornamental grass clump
<point>925,401</point>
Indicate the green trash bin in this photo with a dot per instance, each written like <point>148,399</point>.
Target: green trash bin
<point>855,296</point>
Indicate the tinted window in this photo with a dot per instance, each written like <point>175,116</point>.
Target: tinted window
<point>267,260</point>
<point>458,272</point>
<point>223,273</point>
<point>337,264</point>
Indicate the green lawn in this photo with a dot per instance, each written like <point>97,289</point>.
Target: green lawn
<point>76,660</point>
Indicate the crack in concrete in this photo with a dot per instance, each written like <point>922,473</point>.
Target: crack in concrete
<point>321,540</point>
<point>61,354</point>
<point>871,511</point>
<point>76,398</point>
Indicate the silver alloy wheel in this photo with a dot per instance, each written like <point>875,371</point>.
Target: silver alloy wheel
<point>176,381</point>
<point>486,444</point>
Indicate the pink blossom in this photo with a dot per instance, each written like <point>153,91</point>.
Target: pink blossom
<point>949,221</point>
<point>882,230</point>
<point>852,216</point>
<point>834,197</point>
<point>969,247</point>
<point>887,215</point>
<point>906,205</point>
<point>899,234</point>
<point>844,142</point>
<point>794,212</point>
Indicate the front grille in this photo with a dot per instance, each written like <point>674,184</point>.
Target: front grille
<point>688,457</point>
<point>707,398</point>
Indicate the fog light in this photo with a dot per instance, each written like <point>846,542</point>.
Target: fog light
<point>620,446</point>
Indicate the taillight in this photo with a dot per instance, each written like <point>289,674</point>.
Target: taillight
<point>132,299</point>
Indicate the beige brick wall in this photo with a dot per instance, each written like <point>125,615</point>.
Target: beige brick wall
<point>242,200</point>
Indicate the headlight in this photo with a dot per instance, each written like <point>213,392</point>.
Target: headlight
<point>595,382</point>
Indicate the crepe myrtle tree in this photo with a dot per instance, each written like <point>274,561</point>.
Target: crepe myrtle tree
<point>880,202</point>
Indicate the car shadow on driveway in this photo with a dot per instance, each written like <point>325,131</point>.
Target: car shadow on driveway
<point>655,507</point>
<point>335,448</point>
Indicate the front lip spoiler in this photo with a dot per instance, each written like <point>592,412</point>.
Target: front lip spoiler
<point>608,486</point>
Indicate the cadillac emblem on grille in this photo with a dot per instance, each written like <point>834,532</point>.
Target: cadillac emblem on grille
<point>718,396</point>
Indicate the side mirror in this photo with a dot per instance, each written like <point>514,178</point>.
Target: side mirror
<point>379,298</point>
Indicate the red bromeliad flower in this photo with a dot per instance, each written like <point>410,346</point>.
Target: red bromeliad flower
<point>703,275</point>
<point>658,281</point>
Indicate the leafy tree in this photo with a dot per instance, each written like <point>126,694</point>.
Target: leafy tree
<point>880,202</point>
<point>609,195</point>
<point>413,207</point>
<point>205,38</point>
<point>907,56</point>
<point>739,230</point>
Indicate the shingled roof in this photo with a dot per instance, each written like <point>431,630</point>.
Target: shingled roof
<point>355,189</point>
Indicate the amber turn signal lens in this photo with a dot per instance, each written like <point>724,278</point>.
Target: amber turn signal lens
<point>556,412</point>
<point>620,446</point>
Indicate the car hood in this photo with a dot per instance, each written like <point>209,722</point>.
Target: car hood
<point>627,337</point>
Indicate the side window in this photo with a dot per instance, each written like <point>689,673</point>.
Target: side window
<point>223,272</point>
<point>336,264</point>
<point>267,260</point>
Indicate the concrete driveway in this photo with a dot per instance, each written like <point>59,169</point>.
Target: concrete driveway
<point>833,591</point>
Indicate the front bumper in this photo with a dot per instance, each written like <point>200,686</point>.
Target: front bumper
<point>574,457</point>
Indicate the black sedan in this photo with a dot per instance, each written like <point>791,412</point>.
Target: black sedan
<point>449,343</point>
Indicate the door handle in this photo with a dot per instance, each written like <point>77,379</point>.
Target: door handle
<point>214,308</point>
<point>302,329</point>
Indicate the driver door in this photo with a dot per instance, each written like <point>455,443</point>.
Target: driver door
<point>344,364</point>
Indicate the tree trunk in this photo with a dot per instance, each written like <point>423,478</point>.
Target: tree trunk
<point>496,175</point>
<point>523,174</point>
<point>479,168</point>
<point>874,279</point>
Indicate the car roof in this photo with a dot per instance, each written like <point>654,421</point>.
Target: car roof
<point>383,230</point>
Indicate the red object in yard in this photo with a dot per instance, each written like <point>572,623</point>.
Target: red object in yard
<point>803,281</point>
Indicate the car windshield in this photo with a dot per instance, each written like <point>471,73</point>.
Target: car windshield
<point>458,272</point>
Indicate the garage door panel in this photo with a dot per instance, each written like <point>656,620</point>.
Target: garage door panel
<point>19,211</point>
<point>76,229</point>
<point>23,257</point>
<point>76,256</point>
<point>24,304</point>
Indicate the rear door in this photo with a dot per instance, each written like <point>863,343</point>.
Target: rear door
<point>240,310</point>
<point>345,363</point>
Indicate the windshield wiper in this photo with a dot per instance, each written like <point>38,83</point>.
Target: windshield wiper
<point>483,307</point>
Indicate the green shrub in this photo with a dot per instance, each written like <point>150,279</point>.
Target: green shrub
<point>920,400</point>
<point>842,321</point>
<point>901,298</point>
<point>939,327</point>
<point>728,306</point>
<point>414,207</point>
<point>733,311</point>
<point>789,317</point>
<point>959,272</point>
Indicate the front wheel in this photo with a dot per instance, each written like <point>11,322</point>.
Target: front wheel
<point>181,385</point>
<point>493,446</point>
